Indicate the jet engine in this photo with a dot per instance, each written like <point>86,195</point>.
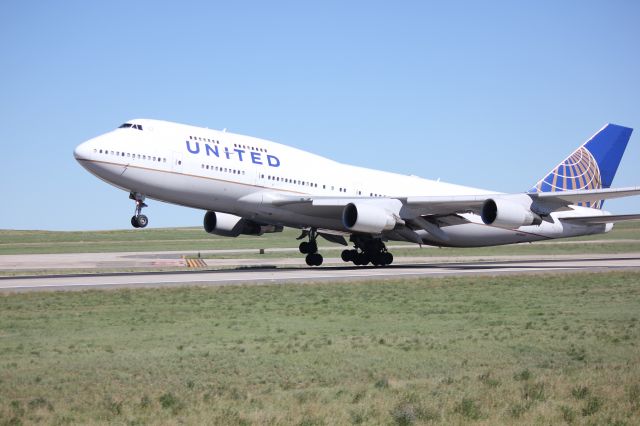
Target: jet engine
<point>505,213</point>
<point>367,218</point>
<point>228,225</point>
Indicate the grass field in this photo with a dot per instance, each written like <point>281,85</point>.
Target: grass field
<point>549,349</point>
<point>195,239</point>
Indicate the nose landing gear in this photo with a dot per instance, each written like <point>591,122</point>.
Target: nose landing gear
<point>138,220</point>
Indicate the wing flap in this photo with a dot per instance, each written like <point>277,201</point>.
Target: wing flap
<point>596,220</point>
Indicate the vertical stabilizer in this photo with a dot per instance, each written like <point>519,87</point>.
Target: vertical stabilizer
<point>592,166</point>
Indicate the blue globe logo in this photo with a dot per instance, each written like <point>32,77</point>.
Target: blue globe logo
<point>579,171</point>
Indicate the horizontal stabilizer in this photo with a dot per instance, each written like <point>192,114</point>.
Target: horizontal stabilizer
<point>582,195</point>
<point>595,220</point>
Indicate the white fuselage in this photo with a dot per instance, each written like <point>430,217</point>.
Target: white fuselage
<point>224,172</point>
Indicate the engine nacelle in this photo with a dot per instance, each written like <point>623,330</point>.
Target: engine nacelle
<point>367,218</point>
<point>508,214</point>
<point>229,225</point>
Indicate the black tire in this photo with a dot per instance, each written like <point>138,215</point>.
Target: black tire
<point>361,259</point>
<point>347,255</point>
<point>313,247</point>
<point>309,259</point>
<point>388,258</point>
<point>317,259</point>
<point>304,248</point>
<point>143,221</point>
<point>134,222</point>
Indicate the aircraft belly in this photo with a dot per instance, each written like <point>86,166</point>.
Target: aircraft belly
<point>480,235</point>
<point>290,218</point>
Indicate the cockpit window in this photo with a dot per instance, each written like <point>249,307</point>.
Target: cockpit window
<point>129,125</point>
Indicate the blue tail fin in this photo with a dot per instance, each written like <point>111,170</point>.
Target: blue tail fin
<point>592,166</point>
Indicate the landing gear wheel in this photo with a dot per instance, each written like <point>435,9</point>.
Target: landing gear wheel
<point>347,255</point>
<point>361,259</point>
<point>310,248</point>
<point>314,259</point>
<point>142,220</point>
<point>367,250</point>
<point>138,220</point>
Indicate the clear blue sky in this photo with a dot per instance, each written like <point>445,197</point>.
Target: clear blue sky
<point>488,94</point>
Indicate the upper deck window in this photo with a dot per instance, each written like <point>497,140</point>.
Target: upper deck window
<point>129,125</point>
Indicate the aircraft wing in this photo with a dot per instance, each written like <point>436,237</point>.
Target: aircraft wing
<point>411,207</point>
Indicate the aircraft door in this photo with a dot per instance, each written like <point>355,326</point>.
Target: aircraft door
<point>357,190</point>
<point>176,164</point>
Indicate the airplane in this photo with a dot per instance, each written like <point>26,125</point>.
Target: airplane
<point>251,186</point>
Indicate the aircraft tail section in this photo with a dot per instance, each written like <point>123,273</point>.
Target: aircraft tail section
<point>592,166</point>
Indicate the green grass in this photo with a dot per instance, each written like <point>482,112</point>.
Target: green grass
<point>160,239</point>
<point>195,239</point>
<point>549,349</point>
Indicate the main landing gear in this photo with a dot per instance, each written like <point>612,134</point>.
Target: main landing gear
<point>138,220</point>
<point>367,250</point>
<point>310,248</point>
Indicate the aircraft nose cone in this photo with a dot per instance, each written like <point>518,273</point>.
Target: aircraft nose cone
<point>81,152</point>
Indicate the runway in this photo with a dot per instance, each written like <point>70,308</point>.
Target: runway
<point>268,273</point>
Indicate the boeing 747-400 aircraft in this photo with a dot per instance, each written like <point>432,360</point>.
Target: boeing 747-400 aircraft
<point>250,186</point>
